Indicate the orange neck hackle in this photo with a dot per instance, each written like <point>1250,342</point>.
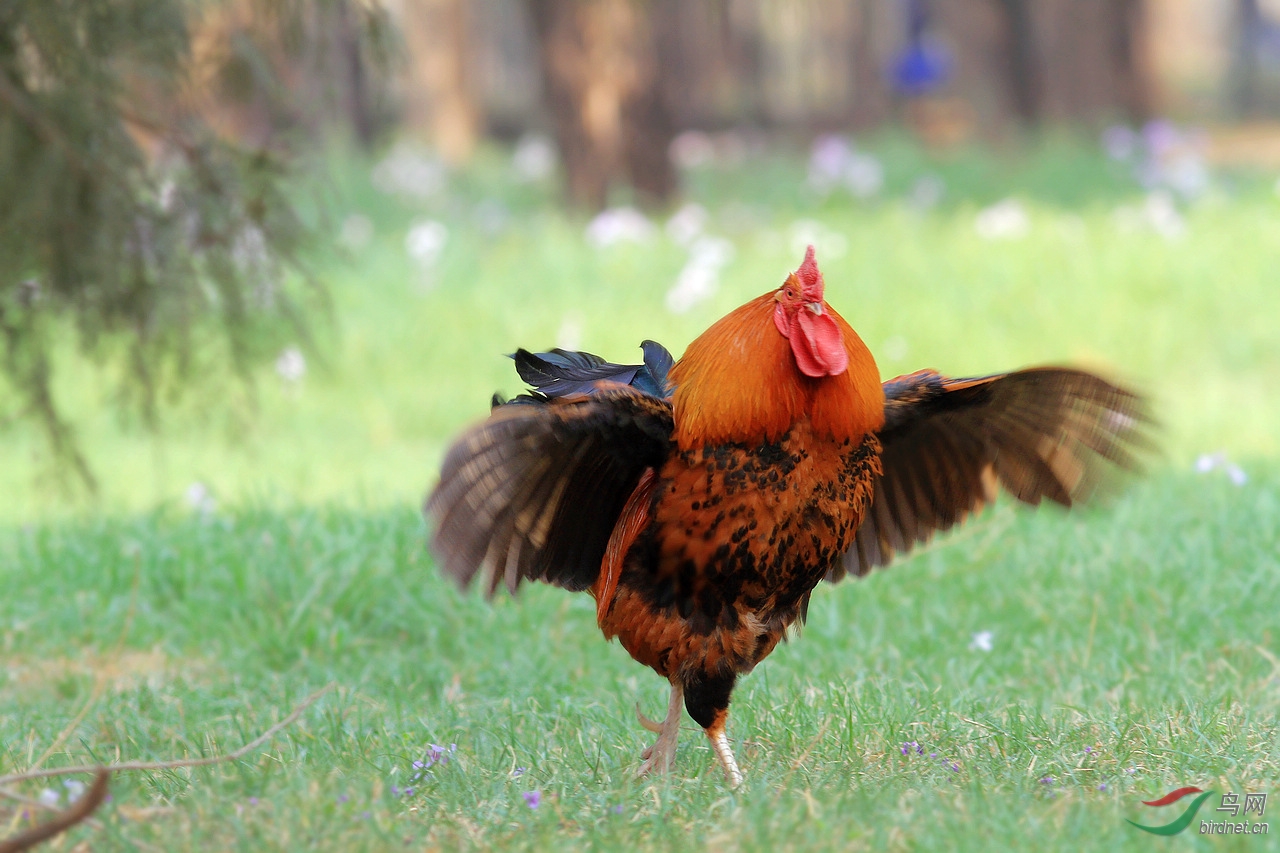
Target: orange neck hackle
<point>738,382</point>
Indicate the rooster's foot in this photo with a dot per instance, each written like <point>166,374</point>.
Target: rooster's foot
<point>662,755</point>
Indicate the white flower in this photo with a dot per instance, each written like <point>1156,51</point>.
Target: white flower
<point>534,158</point>
<point>700,277</point>
<point>408,170</point>
<point>1159,213</point>
<point>200,499</point>
<point>291,365</point>
<point>687,223</point>
<point>1004,220</point>
<point>425,242</point>
<point>694,284</point>
<point>618,225</point>
<point>1213,461</point>
<point>863,175</point>
<point>49,797</point>
<point>1162,215</point>
<point>74,789</point>
<point>982,641</point>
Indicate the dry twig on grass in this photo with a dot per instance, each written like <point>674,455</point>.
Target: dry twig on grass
<point>76,812</point>
<point>86,805</point>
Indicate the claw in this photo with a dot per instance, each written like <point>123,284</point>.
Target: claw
<point>659,757</point>
<point>649,724</point>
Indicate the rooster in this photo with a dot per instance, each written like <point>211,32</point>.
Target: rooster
<point>701,502</point>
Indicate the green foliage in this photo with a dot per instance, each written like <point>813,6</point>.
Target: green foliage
<point>166,249</point>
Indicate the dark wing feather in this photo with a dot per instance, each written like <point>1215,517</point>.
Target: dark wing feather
<point>556,376</point>
<point>657,364</point>
<point>534,491</point>
<point>948,443</point>
<point>562,373</point>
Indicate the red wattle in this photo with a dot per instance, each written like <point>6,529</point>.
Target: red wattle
<point>819,348</point>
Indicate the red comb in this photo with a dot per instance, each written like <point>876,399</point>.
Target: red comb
<point>810,278</point>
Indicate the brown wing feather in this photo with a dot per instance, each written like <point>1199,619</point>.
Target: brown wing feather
<point>948,443</point>
<point>535,491</point>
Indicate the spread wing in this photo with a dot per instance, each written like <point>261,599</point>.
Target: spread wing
<point>948,443</point>
<point>535,491</point>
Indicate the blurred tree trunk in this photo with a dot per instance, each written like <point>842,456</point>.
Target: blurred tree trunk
<point>1021,60</point>
<point>1132,74</point>
<point>1244,60</point>
<point>869,106</point>
<point>442,100</point>
<point>601,81</point>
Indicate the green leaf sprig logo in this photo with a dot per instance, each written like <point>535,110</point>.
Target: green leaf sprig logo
<point>1183,820</point>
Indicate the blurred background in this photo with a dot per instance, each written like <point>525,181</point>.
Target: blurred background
<point>273,251</point>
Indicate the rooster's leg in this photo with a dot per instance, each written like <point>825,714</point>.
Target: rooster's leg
<point>707,698</point>
<point>720,745</point>
<point>662,754</point>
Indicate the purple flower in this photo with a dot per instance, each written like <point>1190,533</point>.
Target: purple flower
<point>395,791</point>
<point>342,798</point>
<point>1102,787</point>
<point>1088,749</point>
<point>616,809</point>
<point>436,754</point>
<point>955,768</point>
<point>518,772</point>
<point>1160,135</point>
<point>533,799</point>
<point>408,792</point>
<point>253,801</point>
<point>933,755</point>
<point>919,749</point>
<point>1048,780</point>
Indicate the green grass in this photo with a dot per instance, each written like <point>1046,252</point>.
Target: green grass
<point>1144,630</point>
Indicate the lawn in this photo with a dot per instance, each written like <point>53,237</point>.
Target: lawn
<point>1050,670</point>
